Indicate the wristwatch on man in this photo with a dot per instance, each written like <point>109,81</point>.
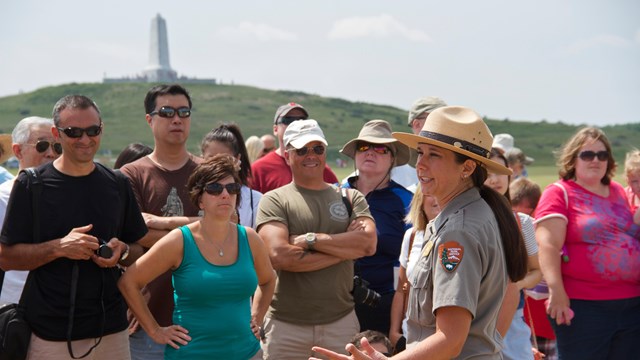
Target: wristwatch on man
<point>311,239</point>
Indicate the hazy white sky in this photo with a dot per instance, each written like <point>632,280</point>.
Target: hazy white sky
<point>577,61</point>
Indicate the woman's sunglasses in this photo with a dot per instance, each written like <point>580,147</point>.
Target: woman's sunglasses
<point>589,155</point>
<point>76,132</point>
<point>318,150</point>
<point>379,149</point>
<point>169,112</point>
<point>217,188</point>
<point>43,145</point>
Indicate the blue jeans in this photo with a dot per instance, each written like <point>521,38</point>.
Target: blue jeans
<point>601,329</point>
<point>144,348</point>
<point>517,341</point>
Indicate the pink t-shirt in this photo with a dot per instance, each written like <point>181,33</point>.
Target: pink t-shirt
<point>602,242</point>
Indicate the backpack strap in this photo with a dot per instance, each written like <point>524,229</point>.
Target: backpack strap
<point>346,199</point>
<point>34,184</point>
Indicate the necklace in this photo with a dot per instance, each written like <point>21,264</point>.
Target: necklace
<point>221,248</point>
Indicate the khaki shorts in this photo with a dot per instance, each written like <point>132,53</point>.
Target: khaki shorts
<point>291,341</point>
<point>113,346</point>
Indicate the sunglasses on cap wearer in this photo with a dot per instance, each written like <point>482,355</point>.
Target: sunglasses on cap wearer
<point>169,112</point>
<point>377,148</point>
<point>318,150</point>
<point>43,145</point>
<point>217,188</point>
<point>76,132</point>
<point>287,120</point>
<point>589,155</point>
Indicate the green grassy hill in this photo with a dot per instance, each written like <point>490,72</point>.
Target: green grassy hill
<point>253,109</point>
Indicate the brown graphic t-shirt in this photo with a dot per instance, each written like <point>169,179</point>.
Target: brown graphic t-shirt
<point>164,193</point>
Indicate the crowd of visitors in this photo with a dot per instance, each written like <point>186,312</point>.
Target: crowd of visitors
<point>438,245</point>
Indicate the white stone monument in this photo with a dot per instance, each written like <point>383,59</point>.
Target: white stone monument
<point>159,69</point>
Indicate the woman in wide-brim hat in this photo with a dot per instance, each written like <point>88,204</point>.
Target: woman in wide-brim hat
<point>375,152</point>
<point>469,252</point>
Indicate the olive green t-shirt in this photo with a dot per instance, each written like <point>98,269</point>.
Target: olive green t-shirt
<point>321,296</point>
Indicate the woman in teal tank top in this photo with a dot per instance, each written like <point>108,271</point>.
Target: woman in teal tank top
<point>217,267</point>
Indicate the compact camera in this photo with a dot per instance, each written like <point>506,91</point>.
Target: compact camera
<point>104,251</point>
<point>362,294</point>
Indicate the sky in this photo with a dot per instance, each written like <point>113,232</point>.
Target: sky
<point>575,61</point>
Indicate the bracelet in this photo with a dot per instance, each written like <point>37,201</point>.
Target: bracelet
<point>125,254</point>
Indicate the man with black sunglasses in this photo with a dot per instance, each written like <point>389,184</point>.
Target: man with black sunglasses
<point>272,171</point>
<point>73,305</point>
<point>313,238</point>
<point>159,184</point>
<point>33,145</point>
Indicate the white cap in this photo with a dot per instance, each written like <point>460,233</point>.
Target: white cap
<point>301,132</point>
<point>503,142</point>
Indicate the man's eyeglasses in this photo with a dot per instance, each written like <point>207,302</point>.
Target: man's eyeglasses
<point>169,112</point>
<point>76,132</point>
<point>217,188</point>
<point>286,120</point>
<point>589,155</point>
<point>43,145</point>
<point>378,149</point>
<point>318,150</point>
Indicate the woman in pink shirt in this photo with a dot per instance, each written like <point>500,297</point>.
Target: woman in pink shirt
<point>590,254</point>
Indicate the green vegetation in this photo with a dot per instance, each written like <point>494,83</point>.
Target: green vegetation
<point>253,109</point>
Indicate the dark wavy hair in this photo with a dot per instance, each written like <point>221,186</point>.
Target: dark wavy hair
<point>212,170</point>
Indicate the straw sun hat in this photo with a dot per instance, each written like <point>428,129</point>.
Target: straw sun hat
<point>5,147</point>
<point>378,132</point>
<point>458,129</point>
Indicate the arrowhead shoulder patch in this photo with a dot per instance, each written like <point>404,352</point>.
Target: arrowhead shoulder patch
<point>450,254</point>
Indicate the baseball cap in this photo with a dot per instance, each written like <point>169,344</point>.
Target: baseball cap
<point>503,142</point>
<point>284,110</point>
<point>425,104</point>
<point>300,133</point>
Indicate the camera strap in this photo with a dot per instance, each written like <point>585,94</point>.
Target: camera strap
<point>72,308</point>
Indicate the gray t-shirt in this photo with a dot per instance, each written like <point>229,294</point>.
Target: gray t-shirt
<point>313,297</point>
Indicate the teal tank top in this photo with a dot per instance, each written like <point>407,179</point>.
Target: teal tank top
<point>214,303</point>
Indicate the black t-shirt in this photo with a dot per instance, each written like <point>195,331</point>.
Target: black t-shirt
<point>68,202</point>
